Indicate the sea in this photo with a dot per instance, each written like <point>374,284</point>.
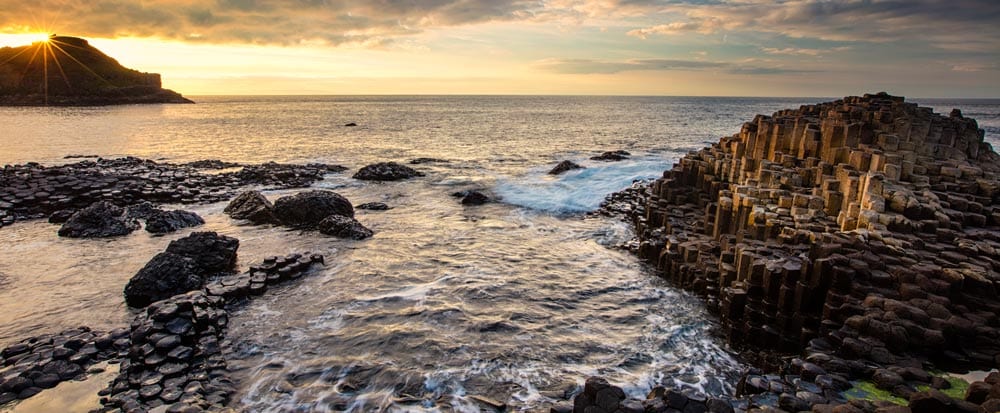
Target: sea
<point>517,301</point>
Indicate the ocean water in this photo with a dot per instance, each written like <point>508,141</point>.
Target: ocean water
<point>518,301</point>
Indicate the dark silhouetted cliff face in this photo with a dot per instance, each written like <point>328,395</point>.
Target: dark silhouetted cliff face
<point>69,71</point>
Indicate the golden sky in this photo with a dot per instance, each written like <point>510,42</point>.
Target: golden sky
<point>917,48</point>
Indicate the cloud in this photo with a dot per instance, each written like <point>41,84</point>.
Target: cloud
<point>591,66</point>
<point>703,26</point>
<point>792,51</point>
<point>945,23</point>
<point>259,21</point>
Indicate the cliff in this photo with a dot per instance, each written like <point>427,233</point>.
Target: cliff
<point>68,71</point>
<point>862,235</point>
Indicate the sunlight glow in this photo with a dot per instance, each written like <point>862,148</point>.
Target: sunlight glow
<point>21,39</point>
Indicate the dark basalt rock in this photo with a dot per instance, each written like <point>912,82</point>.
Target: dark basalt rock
<point>373,206</point>
<point>170,221</point>
<point>212,253</point>
<point>472,197</point>
<point>612,156</point>
<point>61,216</point>
<point>251,206</point>
<point>142,211</point>
<point>166,275</point>
<point>419,161</point>
<point>563,167</point>
<point>183,267</point>
<point>351,124</point>
<point>386,171</point>
<point>211,164</point>
<point>344,227</point>
<point>100,220</point>
<point>307,209</point>
<point>33,191</point>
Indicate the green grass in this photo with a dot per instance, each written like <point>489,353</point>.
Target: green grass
<point>866,390</point>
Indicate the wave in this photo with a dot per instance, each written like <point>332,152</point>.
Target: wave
<point>580,190</point>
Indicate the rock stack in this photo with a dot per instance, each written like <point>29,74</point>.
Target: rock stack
<point>863,230</point>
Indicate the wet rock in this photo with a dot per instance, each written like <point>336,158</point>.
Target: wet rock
<point>307,209</point>
<point>978,392</point>
<point>618,155</point>
<point>386,171</point>
<point>170,221</point>
<point>142,211</point>
<point>100,220</point>
<point>61,216</point>
<point>472,197</point>
<point>886,379</point>
<point>166,275</point>
<point>563,167</point>
<point>344,227</point>
<point>419,161</point>
<point>212,253</point>
<point>251,206</point>
<point>373,206</point>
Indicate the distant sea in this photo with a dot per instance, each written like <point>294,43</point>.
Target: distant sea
<point>517,301</point>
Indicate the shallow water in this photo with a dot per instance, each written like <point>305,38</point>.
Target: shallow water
<point>517,301</point>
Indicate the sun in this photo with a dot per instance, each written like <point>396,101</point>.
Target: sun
<point>22,39</point>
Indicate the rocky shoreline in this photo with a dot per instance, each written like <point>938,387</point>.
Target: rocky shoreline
<point>850,249</point>
<point>847,245</point>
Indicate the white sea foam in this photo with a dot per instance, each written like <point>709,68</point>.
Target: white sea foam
<point>578,190</point>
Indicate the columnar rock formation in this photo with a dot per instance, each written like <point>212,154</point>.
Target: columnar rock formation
<point>864,230</point>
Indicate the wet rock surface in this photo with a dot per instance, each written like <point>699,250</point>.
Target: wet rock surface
<point>169,221</point>
<point>251,206</point>
<point>618,155</point>
<point>32,191</point>
<point>472,197</point>
<point>307,209</point>
<point>99,220</point>
<point>564,166</point>
<point>373,206</point>
<point>42,362</point>
<point>862,235</point>
<point>185,266</point>
<point>386,171</point>
<point>344,227</point>
<point>326,211</point>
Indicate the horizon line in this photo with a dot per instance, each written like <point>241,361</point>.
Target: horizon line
<point>908,98</point>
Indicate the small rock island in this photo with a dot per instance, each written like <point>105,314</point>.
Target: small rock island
<point>68,71</point>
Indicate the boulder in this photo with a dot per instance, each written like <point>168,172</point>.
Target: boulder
<point>563,167</point>
<point>251,206</point>
<point>212,253</point>
<point>344,227</point>
<point>166,275</point>
<point>612,156</point>
<point>373,206</point>
<point>61,216</point>
<point>472,197</point>
<point>99,220</point>
<point>386,171</point>
<point>307,209</point>
<point>170,221</point>
<point>142,210</point>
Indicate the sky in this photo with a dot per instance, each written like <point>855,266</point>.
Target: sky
<point>814,48</point>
